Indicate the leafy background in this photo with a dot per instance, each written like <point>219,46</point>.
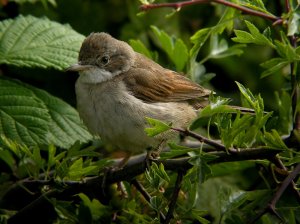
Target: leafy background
<point>41,146</point>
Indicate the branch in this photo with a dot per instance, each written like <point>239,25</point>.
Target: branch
<point>178,5</point>
<point>136,165</point>
<point>272,204</point>
<point>146,195</point>
<point>215,144</point>
<point>174,197</point>
<point>92,186</point>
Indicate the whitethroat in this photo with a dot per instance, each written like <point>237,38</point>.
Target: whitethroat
<point>118,87</point>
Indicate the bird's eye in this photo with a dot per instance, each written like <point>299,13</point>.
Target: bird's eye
<point>104,59</point>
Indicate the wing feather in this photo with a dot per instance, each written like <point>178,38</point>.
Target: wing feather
<point>156,84</point>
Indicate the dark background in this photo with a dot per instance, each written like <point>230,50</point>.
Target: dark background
<point>122,19</point>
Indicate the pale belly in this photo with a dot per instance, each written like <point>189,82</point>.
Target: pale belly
<point>119,118</point>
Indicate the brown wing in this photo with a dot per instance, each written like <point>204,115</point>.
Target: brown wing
<point>156,84</point>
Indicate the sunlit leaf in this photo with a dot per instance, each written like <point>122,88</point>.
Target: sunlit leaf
<point>273,65</point>
<point>38,42</point>
<point>273,139</point>
<point>175,48</point>
<point>139,47</point>
<point>32,116</point>
<point>253,37</point>
<point>24,117</point>
<point>293,24</point>
<point>157,127</point>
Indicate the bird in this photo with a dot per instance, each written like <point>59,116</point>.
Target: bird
<point>118,88</point>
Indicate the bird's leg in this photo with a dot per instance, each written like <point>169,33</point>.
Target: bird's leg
<point>119,166</point>
<point>153,155</point>
<point>124,161</point>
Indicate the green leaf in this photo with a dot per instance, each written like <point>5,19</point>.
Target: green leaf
<point>257,5</point>
<point>8,158</point>
<point>248,95</point>
<point>165,40</point>
<point>37,158</point>
<point>180,55</point>
<point>273,139</point>
<point>175,48</point>
<point>139,47</point>
<point>65,126</point>
<point>218,105</point>
<point>32,116</point>
<point>96,208</point>
<point>77,171</point>
<point>157,127</point>
<point>24,117</point>
<point>226,21</point>
<point>285,50</point>
<point>285,118</point>
<point>253,37</point>
<point>156,203</point>
<point>199,218</point>
<point>220,49</point>
<point>44,2</point>
<point>293,23</point>
<point>198,39</point>
<point>38,42</point>
<point>273,65</point>
<point>157,176</point>
<point>200,170</point>
<point>175,151</point>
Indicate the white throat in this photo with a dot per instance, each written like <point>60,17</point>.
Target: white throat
<point>96,75</point>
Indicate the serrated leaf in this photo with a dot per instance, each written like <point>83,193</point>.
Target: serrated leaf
<point>273,139</point>
<point>139,47</point>
<point>175,151</point>
<point>286,51</point>
<point>23,117</point>
<point>95,207</point>
<point>247,94</point>
<point>253,37</point>
<point>164,39</point>
<point>273,65</point>
<point>76,170</point>
<point>156,203</point>
<point>65,126</point>
<point>198,39</point>
<point>156,128</point>
<point>293,24</point>
<point>32,116</point>
<point>44,2</point>
<point>8,158</point>
<point>38,42</point>
<point>257,5</point>
<point>200,170</point>
<point>37,158</point>
<point>218,106</point>
<point>180,55</point>
<point>226,21</point>
<point>174,47</point>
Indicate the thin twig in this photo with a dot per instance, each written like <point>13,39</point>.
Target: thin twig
<point>146,195</point>
<point>179,5</point>
<point>208,141</point>
<point>136,166</point>
<point>287,6</point>
<point>174,197</point>
<point>280,164</point>
<point>284,185</point>
<point>271,207</point>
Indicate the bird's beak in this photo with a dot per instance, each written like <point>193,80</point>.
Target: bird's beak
<point>77,68</point>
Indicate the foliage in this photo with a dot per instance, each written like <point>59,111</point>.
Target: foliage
<point>241,160</point>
